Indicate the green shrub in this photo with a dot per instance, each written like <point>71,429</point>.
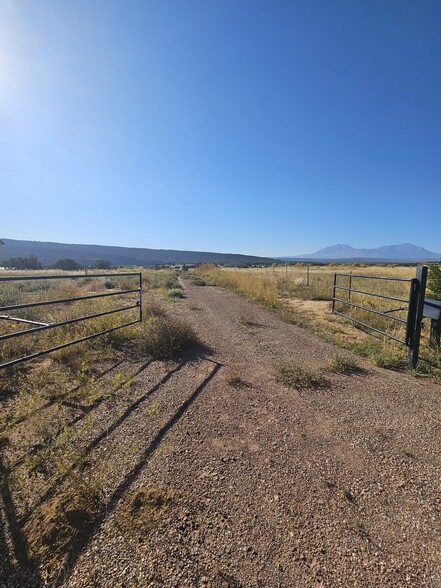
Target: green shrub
<point>199,282</point>
<point>174,293</point>
<point>30,262</point>
<point>67,264</point>
<point>195,279</point>
<point>434,281</point>
<point>382,354</point>
<point>164,279</point>
<point>103,264</point>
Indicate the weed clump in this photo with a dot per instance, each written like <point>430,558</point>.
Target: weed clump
<point>175,293</point>
<point>199,282</point>
<point>385,356</point>
<point>294,375</point>
<point>160,279</point>
<point>165,337</point>
<point>342,364</point>
<point>153,308</point>
<point>195,280</point>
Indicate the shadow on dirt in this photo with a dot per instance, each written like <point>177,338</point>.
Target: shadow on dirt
<point>17,565</point>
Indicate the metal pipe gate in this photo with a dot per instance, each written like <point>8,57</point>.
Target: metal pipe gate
<point>414,304</point>
<point>42,326</point>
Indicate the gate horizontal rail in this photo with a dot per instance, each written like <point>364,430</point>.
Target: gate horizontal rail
<point>67,276</point>
<point>46,326</point>
<point>387,278</point>
<point>372,293</point>
<point>385,313</point>
<point>65,300</point>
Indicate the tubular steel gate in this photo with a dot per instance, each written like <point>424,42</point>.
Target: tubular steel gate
<point>413,304</point>
<point>39,326</point>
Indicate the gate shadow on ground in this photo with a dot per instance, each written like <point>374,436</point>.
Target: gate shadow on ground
<point>85,410</point>
<point>103,435</point>
<point>62,397</point>
<point>16,565</point>
<point>131,477</point>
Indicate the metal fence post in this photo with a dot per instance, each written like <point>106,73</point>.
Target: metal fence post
<point>415,329</point>
<point>333,292</point>
<point>140,297</point>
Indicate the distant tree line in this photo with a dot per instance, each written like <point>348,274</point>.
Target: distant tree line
<point>30,262</point>
<point>67,264</point>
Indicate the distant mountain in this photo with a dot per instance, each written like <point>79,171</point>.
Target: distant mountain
<point>48,253</point>
<point>403,252</point>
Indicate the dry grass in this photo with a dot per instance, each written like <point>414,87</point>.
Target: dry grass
<point>58,525</point>
<point>175,293</point>
<point>234,379</point>
<point>297,376</point>
<point>343,364</point>
<point>166,337</point>
<point>194,279</point>
<point>140,511</point>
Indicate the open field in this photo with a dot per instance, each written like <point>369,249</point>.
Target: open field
<point>216,444</point>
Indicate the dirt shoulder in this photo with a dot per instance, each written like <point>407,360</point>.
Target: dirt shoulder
<point>239,481</point>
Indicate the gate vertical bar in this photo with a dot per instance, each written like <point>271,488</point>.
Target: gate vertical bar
<point>140,297</point>
<point>350,287</point>
<point>333,292</point>
<point>414,347</point>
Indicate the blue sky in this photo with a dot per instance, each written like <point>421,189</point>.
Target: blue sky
<point>263,127</point>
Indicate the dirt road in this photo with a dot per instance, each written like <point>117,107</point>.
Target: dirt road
<point>238,481</point>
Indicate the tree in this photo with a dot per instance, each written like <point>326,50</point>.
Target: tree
<point>434,280</point>
<point>103,264</point>
<point>30,262</point>
<point>67,264</point>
